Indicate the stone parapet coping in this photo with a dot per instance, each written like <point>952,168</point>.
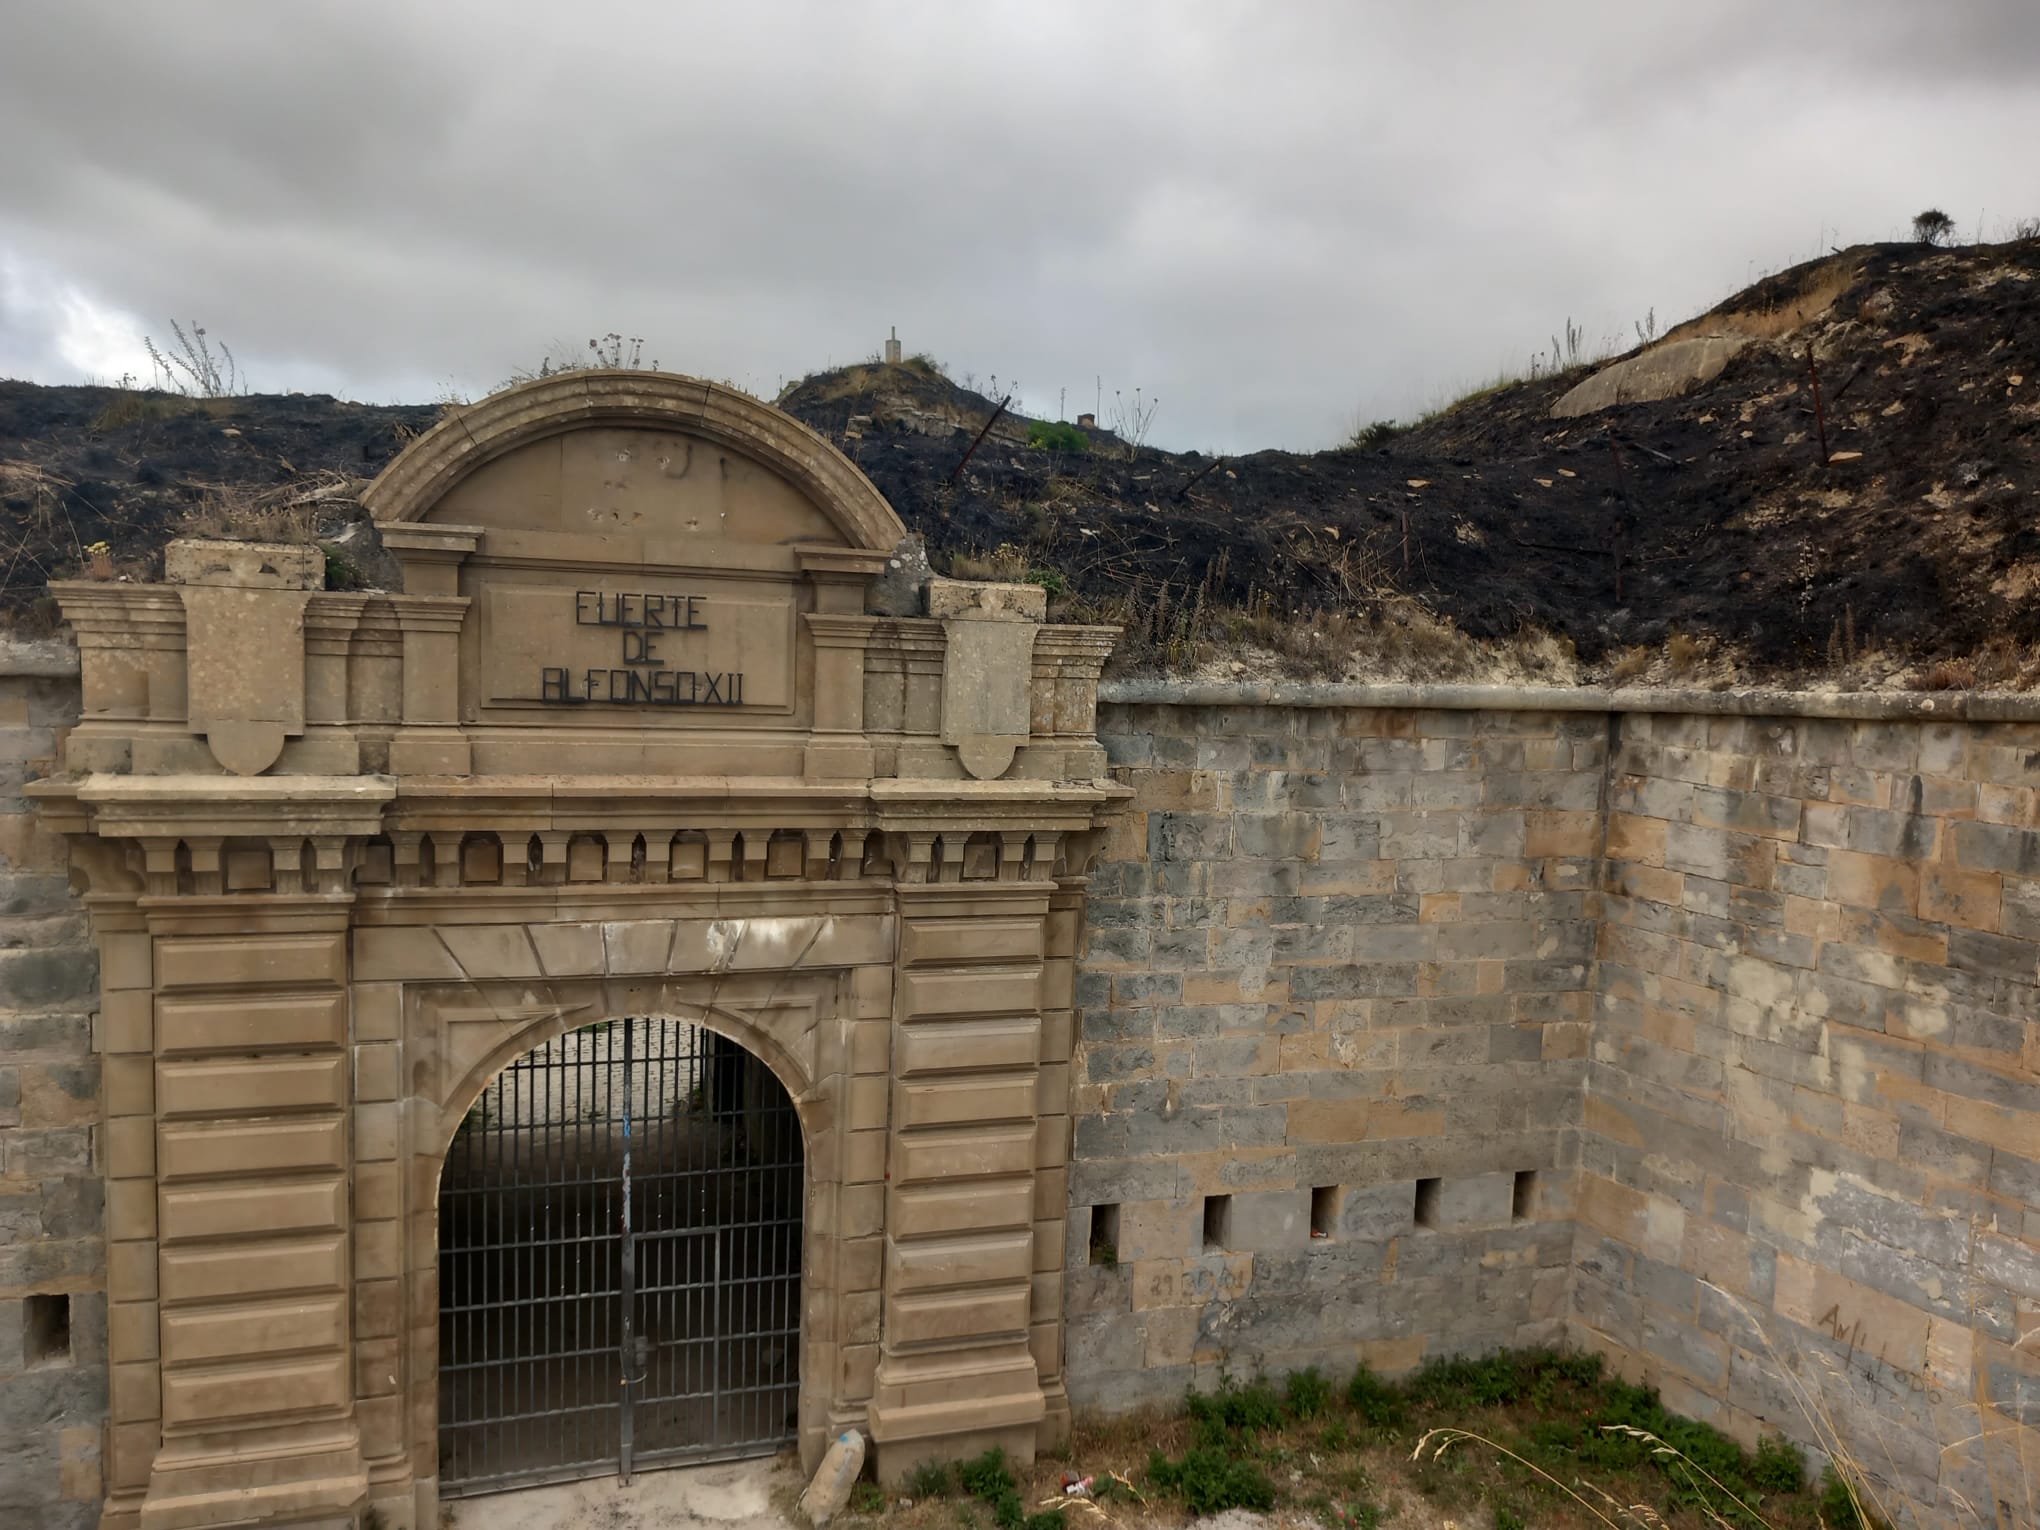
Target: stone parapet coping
<point>1924,706</point>
<point>37,658</point>
<point>56,658</point>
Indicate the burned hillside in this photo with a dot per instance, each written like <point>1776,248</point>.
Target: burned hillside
<point>1714,519</point>
<point>1883,533</point>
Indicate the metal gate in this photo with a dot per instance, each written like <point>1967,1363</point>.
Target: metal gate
<point>619,1261</point>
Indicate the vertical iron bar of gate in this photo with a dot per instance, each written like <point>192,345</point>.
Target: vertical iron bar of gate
<point>629,1253</point>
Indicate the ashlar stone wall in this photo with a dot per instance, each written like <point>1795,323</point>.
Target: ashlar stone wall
<point>1705,1038</point>
<point>1708,1041</point>
<point>1811,1159</point>
<point>52,1245</point>
<point>1334,1018</point>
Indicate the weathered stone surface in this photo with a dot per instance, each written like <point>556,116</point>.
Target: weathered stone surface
<point>1754,999</point>
<point>630,742</point>
<point>901,588</point>
<point>1666,370</point>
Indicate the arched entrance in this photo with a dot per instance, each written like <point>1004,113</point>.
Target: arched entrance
<point>620,1250</point>
<point>639,735</point>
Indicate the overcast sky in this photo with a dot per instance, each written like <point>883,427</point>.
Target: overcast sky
<point>1278,219</point>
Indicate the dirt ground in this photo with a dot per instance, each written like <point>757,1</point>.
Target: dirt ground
<point>733,1495</point>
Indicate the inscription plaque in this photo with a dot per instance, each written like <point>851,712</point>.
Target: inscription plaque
<point>680,647</point>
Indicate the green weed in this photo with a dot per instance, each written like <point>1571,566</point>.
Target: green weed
<point>1223,1418</point>
<point>932,1479</point>
<point>1379,1404</point>
<point>1209,1480</point>
<point>990,1480</point>
<point>867,1498</point>
<point>1307,1393</point>
<point>1057,437</point>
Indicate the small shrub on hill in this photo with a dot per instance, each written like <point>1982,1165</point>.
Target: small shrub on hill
<point>1933,226</point>
<point>1057,437</point>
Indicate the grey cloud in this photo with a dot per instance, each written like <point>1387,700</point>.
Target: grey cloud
<point>1280,219</point>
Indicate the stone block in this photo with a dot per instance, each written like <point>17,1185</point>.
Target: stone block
<point>1269,1220</point>
<point>42,979</point>
<point>1477,1200</point>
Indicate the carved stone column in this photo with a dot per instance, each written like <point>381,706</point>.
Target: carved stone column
<point>956,1372</point>
<point>224,1026</point>
<point>254,1266</point>
<point>328,748</point>
<point>430,742</point>
<point>430,612</point>
<point>131,669</point>
<point>839,630</point>
<point>1064,705</point>
<point>838,749</point>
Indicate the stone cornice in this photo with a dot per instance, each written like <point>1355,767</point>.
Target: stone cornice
<point>585,802</point>
<point>429,613</point>
<point>1076,642</point>
<point>842,562</point>
<point>104,614</point>
<point>432,542</point>
<point>149,807</point>
<point>841,631</point>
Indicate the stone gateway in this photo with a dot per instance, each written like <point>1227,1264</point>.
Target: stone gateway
<point>624,770</point>
<point>622,1000</point>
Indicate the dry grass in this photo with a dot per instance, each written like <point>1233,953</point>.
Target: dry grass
<point>1004,564</point>
<point>139,406</point>
<point>40,521</point>
<point>297,512</point>
<point>1828,1392</point>
<point>2001,664</point>
<point>1374,634</point>
<point>1816,295</point>
<point>1684,652</point>
<point>1629,664</point>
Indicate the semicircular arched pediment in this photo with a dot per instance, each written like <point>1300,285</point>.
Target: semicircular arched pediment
<point>467,440</point>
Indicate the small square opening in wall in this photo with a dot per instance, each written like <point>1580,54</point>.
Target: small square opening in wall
<point>1324,1211</point>
<point>1217,1221</point>
<point>1105,1235</point>
<point>1427,1202</point>
<point>1524,1204</point>
<point>46,1329</point>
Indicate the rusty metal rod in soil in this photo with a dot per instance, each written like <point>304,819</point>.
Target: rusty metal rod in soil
<point>1215,462</point>
<point>1819,410</point>
<point>979,438</point>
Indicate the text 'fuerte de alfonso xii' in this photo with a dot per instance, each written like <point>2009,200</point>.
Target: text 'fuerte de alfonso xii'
<point>645,623</point>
